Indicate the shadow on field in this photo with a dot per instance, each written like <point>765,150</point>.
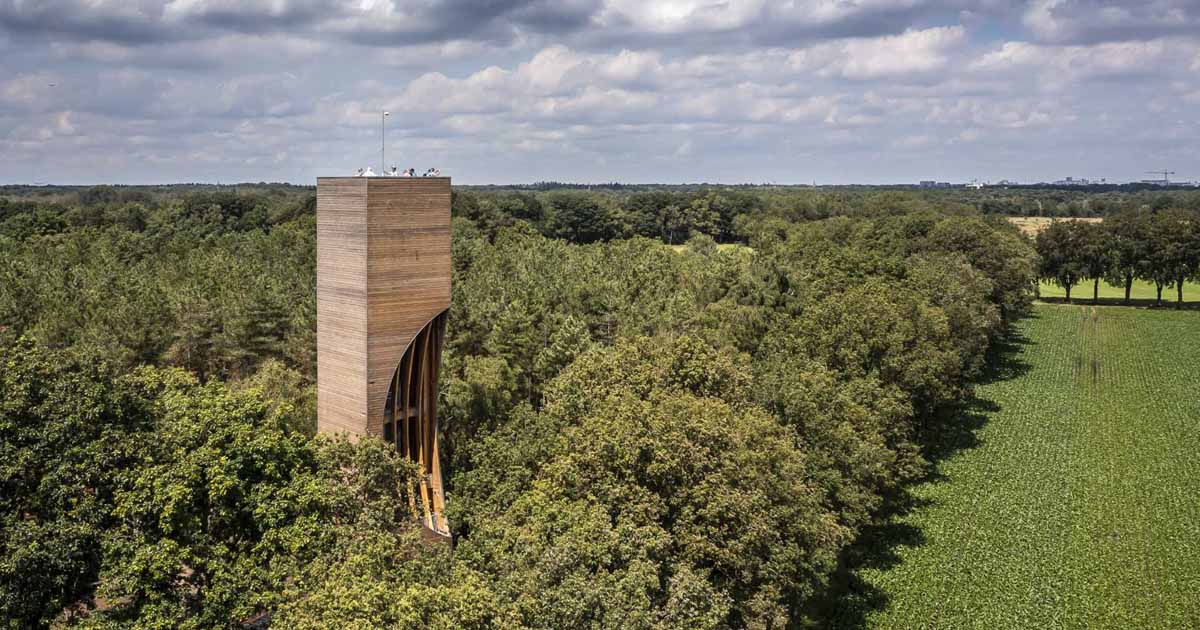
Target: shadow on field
<point>849,600</point>
<point>1168,303</point>
<point>955,429</point>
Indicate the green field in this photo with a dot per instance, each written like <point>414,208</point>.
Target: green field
<point>1075,501</point>
<point>1141,292</point>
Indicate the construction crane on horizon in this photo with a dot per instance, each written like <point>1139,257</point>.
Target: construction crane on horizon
<point>1164,174</point>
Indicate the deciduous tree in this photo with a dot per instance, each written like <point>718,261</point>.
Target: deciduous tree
<point>1174,250</point>
<point>1061,246</point>
<point>1130,241</point>
<point>1096,254</point>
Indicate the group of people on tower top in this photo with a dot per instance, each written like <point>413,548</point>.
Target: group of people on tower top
<point>394,172</point>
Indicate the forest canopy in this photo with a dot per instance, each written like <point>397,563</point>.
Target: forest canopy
<point>661,408</point>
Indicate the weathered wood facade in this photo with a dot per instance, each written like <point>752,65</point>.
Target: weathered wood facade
<point>383,289</point>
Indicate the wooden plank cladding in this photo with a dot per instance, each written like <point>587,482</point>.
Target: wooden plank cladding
<point>408,273</point>
<point>342,305</point>
<point>383,275</point>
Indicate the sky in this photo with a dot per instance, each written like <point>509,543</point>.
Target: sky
<point>635,91</point>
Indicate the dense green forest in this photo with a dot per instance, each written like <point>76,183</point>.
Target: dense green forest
<point>636,435</point>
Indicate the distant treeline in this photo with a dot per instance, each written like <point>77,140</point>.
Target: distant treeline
<point>1158,245</point>
<point>669,212</point>
<point>198,210</point>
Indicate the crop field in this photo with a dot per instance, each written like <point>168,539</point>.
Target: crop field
<point>1033,225</point>
<point>1141,293</point>
<point>1075,502</point>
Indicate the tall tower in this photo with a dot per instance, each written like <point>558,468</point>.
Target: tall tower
<point>383,291</point>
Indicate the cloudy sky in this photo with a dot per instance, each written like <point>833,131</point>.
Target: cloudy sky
<point>497,91</point>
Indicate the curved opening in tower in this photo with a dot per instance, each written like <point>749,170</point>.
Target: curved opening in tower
<point>411,420</point>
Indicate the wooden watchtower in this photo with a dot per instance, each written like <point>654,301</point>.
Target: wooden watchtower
<point>383,291</point>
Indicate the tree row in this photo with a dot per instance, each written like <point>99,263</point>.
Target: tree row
<point>1161,247</point>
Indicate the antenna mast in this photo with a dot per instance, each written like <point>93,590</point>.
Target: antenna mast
<point>382,143</point>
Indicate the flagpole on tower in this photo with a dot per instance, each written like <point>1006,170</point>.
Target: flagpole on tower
<point>382,144</point>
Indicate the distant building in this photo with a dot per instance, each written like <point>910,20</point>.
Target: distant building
<point>929,183</point>
<point>1071,181</point>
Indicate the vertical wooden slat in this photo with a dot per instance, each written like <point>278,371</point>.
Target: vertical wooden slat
<point>397,405</point>
<point>435,473</point>
<point>406,392</point>
<point>430,438</point>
